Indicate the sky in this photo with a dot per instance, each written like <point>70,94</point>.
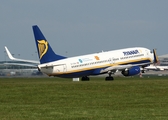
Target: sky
<point>78,27</point>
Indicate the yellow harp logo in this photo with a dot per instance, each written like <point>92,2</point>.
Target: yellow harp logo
<point>42,47</point>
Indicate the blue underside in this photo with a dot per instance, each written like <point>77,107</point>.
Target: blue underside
<point>93,71</point>
<point>77,74</point>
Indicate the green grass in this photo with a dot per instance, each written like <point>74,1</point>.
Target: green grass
<point>97,99</point>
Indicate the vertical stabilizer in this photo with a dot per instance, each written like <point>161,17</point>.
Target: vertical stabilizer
<point>45,52</point>
<point>156,60</point>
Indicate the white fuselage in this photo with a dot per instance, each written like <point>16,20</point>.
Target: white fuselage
<point>102,60</point>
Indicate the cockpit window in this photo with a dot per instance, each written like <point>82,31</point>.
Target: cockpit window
<point>151,52</point>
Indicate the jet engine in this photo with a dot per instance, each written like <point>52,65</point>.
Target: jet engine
<point>132,71</point>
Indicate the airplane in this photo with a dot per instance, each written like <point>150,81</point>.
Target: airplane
<point>128,61</point>
<point>156,67</point>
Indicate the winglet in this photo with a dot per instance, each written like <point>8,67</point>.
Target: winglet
<point>156,60</point>
<point>9,54</point>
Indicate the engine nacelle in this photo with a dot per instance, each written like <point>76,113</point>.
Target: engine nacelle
<point>132,71</point>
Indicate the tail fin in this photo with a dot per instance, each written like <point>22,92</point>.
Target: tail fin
<point>45,52</point>
<point>156,60</point>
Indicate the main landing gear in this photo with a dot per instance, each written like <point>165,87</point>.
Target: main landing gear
<point>109,78</point>
<point>85,78</point>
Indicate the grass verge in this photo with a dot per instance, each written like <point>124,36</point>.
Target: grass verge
<point>56,98</point>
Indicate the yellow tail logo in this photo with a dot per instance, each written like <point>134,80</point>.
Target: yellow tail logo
<point>42,47</point>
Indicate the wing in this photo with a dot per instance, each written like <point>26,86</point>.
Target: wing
<point>16,59</point>
<point>117,68</point>
<point>21,64</point>
<point>157,67</point>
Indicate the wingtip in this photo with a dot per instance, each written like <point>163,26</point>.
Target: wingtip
<point>9,54</point>
<point>5,47</point>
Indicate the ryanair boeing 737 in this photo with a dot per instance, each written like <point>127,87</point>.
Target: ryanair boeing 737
<point>128,61</point>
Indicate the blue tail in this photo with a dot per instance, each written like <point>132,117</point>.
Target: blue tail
<point>45,52</point>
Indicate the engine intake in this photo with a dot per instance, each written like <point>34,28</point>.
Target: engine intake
<point>132,71</point>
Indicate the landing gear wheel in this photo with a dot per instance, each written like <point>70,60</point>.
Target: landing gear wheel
<point>143,71</point>
<point>85,78</point>
<point>109,78</point>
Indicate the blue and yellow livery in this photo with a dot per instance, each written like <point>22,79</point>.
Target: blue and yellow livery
<point>128,61</point>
